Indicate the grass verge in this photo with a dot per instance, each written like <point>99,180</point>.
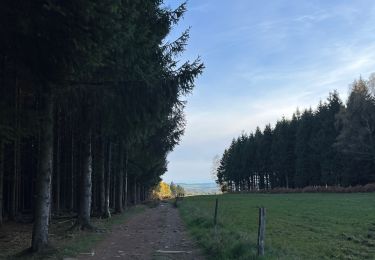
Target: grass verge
<point>83,241</point>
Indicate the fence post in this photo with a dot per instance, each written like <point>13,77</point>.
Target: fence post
<point>215,215</point>
<point>261,230</point>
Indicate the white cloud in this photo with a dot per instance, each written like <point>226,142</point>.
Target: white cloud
<point>212,130</point>
<point>255,91</point>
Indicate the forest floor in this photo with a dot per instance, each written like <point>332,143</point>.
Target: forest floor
<point>156,233</point>
<point>153,231</point>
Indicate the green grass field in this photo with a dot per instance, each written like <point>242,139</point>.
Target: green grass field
<point>298,226</point>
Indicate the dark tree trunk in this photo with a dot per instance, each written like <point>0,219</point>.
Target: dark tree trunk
<point>261,181</point>
<point>287,181</point>
<point>1,181</point>
<point>72,164</point>
<point>94,177</point>
<point>15,181</point>
<point>15,178</point>
<point>101,177</point>
<point>85,191</point>
<point>43,197</point>
<point>126,182</point>
<point>135,191</point>
<point>107,213</point>
<point>119,181</point>
<point>113,183</point>
<point>57,175</point>
<point>139,192</point>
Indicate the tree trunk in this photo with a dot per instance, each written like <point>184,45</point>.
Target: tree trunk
<point>113,183</point>
<point>135,191</point>
<point>86,185</point>
<point>139,193</point>
<point>43,197</point>
<point>94,177</point>
<point>287,181</point>
<point>119,181</point>
<point>71,201</point>
<point>57,175</point>
<point>107,213</point>
<point>126,182</point>
<point>101,173</point>
<point>1,181</point>
<point>14,182</point>
<point>261,181</point>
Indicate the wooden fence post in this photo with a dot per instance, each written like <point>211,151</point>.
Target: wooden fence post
<point>261,230</point>
<point>215,216</point>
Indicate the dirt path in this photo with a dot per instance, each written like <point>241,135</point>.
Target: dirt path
<point>157,233</point>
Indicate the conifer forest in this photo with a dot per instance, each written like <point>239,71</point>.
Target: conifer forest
<point>332,145</point>
<point>91,103</point>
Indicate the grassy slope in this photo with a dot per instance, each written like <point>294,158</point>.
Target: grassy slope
<point>299,226</point>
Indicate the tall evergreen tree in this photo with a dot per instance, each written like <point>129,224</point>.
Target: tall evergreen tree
<point>356,138</point>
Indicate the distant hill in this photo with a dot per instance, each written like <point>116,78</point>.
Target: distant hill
<point>200,188</point>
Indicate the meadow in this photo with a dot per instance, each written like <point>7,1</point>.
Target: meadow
<point>298,226</point>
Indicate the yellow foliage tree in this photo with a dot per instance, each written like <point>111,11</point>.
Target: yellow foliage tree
<point>162,191</point>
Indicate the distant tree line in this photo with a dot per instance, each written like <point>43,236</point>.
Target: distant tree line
<point>333,145</point>
<point>90,106</point>
<point>177,190</point>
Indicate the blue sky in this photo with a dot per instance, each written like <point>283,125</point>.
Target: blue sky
<point>263,60</point>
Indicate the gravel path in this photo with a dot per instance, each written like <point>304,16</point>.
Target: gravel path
<point>157,233</point>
